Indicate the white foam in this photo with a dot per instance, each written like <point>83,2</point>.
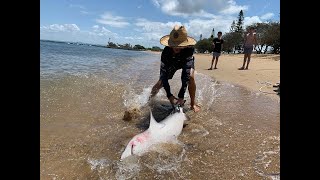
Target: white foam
<point>131,99</point>
<point>128,169</point>
<point>97,163</point>
<point>205,93</point>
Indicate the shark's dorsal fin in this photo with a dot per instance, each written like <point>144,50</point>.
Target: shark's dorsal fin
<point>154,125</point>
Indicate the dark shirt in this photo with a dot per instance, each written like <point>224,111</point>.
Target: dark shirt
<point>171,62</point>
<point>217,47</point>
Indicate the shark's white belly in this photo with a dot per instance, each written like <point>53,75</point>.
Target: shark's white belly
<point>165,131</point>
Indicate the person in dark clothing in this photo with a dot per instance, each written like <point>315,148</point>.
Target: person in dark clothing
<point>217,47</point>
<point>178,54</point>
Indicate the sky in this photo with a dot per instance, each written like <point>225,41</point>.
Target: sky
<point>144,22</point>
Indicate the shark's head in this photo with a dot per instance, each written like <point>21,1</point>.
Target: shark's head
<point>179,109</point>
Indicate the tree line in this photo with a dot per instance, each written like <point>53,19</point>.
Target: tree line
<point>128,46</point>
<point>268,36</point>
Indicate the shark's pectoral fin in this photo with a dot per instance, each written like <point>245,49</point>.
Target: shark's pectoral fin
<point>127,152</point>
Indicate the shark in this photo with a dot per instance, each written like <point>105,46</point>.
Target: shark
<point>158,132</point>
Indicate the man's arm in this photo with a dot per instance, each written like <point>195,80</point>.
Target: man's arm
<point>164,71</point>
<point>255,40</point>
<point>213,44</point>
<point>185,75</point>
<point>164,79</point>
<point>222,41</point>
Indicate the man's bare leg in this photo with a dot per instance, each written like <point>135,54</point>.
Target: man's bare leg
<point>192,92</point>
<point>248,61</point>
<point>244,61</point>
<point>215,65</point>
<point>211,63</point>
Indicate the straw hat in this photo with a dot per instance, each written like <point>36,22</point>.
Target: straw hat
<point>178,38</point>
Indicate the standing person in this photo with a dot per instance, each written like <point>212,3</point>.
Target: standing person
<point>178,54</point>
<point>217,47</point>
<point>250,42</point>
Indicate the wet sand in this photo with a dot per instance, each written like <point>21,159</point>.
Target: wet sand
<point>236,135</point>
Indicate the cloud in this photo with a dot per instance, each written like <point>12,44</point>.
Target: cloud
<point>71,32</point>
<point>183,8</point>
<point>156,3</point>
<point>83,9</point>
<point>143,31</point>
<point>114,21</point>
<point>267,16</point>
<point>133,38</point>
<point>233,8</point>
<point>60,28</point>
<point>153,31</point>
<point>102,31</point>
<point>77,6</point>
<point>84,12</point>
<point>200,8</point>
<point>251,20</point>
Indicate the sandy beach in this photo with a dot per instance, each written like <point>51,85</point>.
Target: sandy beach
<point>263,68</point>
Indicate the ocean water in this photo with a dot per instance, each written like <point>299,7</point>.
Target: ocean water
<point>85,90</point>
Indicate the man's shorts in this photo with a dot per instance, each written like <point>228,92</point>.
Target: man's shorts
<point>172,68</point>
<point>216,54</point>
<point>247,50</point>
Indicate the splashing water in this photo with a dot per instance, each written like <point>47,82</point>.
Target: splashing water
<point>133,100</point>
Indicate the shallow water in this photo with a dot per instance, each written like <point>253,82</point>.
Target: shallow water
<point>84,92</point>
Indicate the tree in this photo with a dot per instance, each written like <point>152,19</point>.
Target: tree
<point>138,47</point>
<point>156,48</point>
<point>232,41</point>
<point>111,45</point>
<point>204,45</point>
<point>212,33</point>
<point>239,26</point>
<point>227,42</point>
<point>274,36</point>
<point>238,31</point>
<point>268,35</point>
<point>233,26</point>
<point>125,46</point>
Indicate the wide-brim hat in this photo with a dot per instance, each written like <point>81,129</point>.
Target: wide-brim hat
<point>178,37</point>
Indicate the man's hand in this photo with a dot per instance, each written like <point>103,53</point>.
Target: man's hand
<point>180,101</point>
<point>173,100</point>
